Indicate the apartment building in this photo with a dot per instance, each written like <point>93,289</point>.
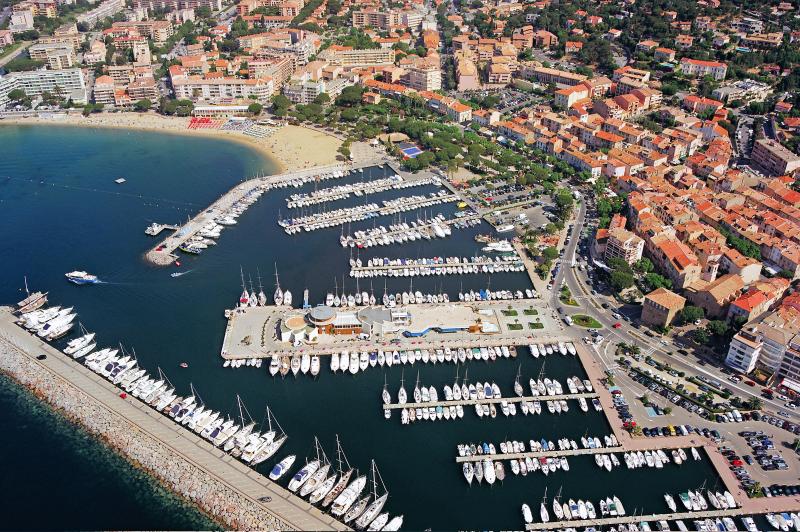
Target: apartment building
<point>104,89</point>
<point>157,30</point>
<point>774,158</point>
<point>172,5</point>
<point>58,56</point>
<point>744,350</point>
<point>221,89</point>
<point>425,76</point>
<point>69,82</point>
<point>624,245</point>
<point>698,68</point>
<point>107,8</point>
<point>547,76</point>
<point>674,258</point>
<point>348,57</point>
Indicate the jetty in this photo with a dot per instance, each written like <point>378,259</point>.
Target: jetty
<point>625,519</point>
<point>155,229</point>
<point>539,454</point>
<point>493,400</point>
<point>373,186</point>
<point>225,488</point>
<point>163,253</point>
<point>416,267</point>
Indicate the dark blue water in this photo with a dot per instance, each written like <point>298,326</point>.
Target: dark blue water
<point>61,211</point>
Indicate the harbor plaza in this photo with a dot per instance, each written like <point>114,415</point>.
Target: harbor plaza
<point>259,332</point>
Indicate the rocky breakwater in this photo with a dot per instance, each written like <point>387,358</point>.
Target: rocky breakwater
<point>226,490</point>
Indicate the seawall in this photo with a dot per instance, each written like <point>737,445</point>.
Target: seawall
<point>221,486</point>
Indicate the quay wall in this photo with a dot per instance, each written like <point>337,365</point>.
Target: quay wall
<point>218,484</point>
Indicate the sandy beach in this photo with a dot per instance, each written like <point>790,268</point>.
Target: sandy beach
<point>290,147</point>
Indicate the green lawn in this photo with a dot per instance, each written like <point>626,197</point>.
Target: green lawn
<point>586,321</point>
<point>535,325</point>
<point>514,326</point>
<point>531,312</point>
<point>509,312</point>
<point>9,49</point>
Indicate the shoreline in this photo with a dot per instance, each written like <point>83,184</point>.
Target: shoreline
<point>225,489</point>
<point>285,149</point>
<point>100,439</point>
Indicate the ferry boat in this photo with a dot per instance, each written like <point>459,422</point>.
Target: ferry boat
<point>80,277</point>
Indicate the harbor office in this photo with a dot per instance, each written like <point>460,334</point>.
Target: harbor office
<point>371,321</point>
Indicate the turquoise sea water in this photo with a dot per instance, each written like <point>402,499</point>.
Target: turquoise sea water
<point>60,211</point>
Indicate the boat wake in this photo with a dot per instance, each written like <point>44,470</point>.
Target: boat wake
<point>178,274</point>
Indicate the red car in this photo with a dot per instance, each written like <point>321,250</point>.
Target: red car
<point>737,463</point>
<point>617,325</point>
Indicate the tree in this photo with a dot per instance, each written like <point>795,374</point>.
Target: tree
<point>654,281</point>
<point>754,403</point>
<point>643,265</point>
<point>322,99</point>
<point>350,96</point>
<point>621,280</point>
<point>691,314</point>
<point>717,327</point>
<point>17,95</point>
<point>255,108</point>
<point>701,336</point>
<point>280,105</point>
<point>143,105</point>
<point>549,254</point>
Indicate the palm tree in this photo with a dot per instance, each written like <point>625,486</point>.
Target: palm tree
<point>754,403</point>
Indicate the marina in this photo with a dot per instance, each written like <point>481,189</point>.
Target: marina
<point>161,316</point>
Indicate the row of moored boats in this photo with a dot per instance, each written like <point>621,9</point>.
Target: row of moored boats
<point>325,219</point>
<point>340,192</point>
<point>402,232</point>
<point>436,266</point>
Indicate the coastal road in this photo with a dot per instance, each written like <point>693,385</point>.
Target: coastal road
<point>660,349</point>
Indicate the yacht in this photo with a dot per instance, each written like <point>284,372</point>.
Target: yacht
<point>282,467</point>
<point>81,277</point>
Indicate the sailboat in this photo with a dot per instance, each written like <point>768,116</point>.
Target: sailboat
<point>270,449</point>
<point>244,299</point>
<point>278,297</point>
<point>402,397</point>
<point>517,386</point>
<point>262,297</point>
<point>344,477</point>
<point>375,508</point>
<point>543,514</point>
<point>317,478</point>
<point>326,486</point>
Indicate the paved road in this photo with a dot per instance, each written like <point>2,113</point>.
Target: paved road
<point>660,349</point>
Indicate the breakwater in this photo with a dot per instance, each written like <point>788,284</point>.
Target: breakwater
<point>225,489</point>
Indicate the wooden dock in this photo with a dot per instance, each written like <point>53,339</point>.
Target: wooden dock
<point>625,519</point>
<point>163,253</point>
<point>493,400</point>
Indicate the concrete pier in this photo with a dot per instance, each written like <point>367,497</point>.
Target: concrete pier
<point>494,400</point>
<point>229,491</point>
<point>514,264</point>
<point>163,253</point>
